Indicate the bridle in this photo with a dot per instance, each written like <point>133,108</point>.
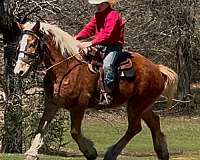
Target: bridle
<point>39,51</point>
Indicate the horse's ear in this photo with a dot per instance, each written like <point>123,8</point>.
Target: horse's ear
<point>36,27</point>
<point>20,26</point>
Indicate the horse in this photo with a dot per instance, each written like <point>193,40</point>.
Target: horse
<point>70,84</point>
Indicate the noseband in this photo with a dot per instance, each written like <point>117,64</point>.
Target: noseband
<point>39,51</point>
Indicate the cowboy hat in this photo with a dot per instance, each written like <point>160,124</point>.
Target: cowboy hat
<point>112,2</point>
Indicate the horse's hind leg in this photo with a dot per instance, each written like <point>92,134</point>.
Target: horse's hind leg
<point>160,145</point>
<point>134,127</point>
<point>85,145</point>
<point>49,113</point>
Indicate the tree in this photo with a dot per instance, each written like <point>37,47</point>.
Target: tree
<point>12,139</point>
<point>185,30</point>
<point>175,26</point>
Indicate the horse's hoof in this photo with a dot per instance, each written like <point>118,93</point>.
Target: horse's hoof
<point>110,156</point>
<point>92,156</point>
<point>30,157</point>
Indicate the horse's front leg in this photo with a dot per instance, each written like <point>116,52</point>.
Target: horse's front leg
<point>49,113</point>
<point>85,145</point>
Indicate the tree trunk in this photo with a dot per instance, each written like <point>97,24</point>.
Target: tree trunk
<point>185,24</point>
<point>12,139</point>
<point>184,68</point>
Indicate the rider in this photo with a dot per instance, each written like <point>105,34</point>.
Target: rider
<point>107,27</point>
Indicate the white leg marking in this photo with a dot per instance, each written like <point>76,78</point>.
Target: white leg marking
<point>35,145</point>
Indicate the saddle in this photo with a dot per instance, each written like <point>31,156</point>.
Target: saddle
<point>125,69</point>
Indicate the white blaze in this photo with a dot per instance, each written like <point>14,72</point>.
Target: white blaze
<point>23,43</point>
<point>20,65</point>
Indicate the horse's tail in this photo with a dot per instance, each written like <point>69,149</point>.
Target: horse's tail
<point>171,81</point>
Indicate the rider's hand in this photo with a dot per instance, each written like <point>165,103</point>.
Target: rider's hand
<point>86,44</point>
<point>75,37</point>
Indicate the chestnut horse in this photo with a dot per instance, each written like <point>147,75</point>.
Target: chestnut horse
<point>69,83</point>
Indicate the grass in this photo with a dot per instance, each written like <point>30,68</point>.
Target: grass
<point>182,136</point>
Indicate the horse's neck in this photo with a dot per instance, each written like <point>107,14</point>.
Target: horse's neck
<point>52,56</point>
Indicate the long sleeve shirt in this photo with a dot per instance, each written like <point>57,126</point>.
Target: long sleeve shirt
<point>107,27</point>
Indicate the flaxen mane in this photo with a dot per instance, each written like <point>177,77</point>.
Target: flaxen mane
<point>67,45</point>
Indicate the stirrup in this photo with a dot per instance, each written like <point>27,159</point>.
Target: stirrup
<point>103,95</point>
<point>105,98</point>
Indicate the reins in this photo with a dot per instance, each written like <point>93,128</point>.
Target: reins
<point>45,70</point>
<point>66,60</point>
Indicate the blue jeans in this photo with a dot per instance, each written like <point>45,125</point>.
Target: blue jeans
<point>110,65</point>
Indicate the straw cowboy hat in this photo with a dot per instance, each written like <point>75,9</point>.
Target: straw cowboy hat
<point>112,2</point>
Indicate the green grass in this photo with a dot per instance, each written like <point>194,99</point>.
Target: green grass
<point>42,157</point>
<point>183,137</point>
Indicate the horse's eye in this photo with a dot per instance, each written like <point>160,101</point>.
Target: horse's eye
<point>32,45</point>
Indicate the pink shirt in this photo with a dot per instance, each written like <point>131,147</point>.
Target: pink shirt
<point>107,27</point>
